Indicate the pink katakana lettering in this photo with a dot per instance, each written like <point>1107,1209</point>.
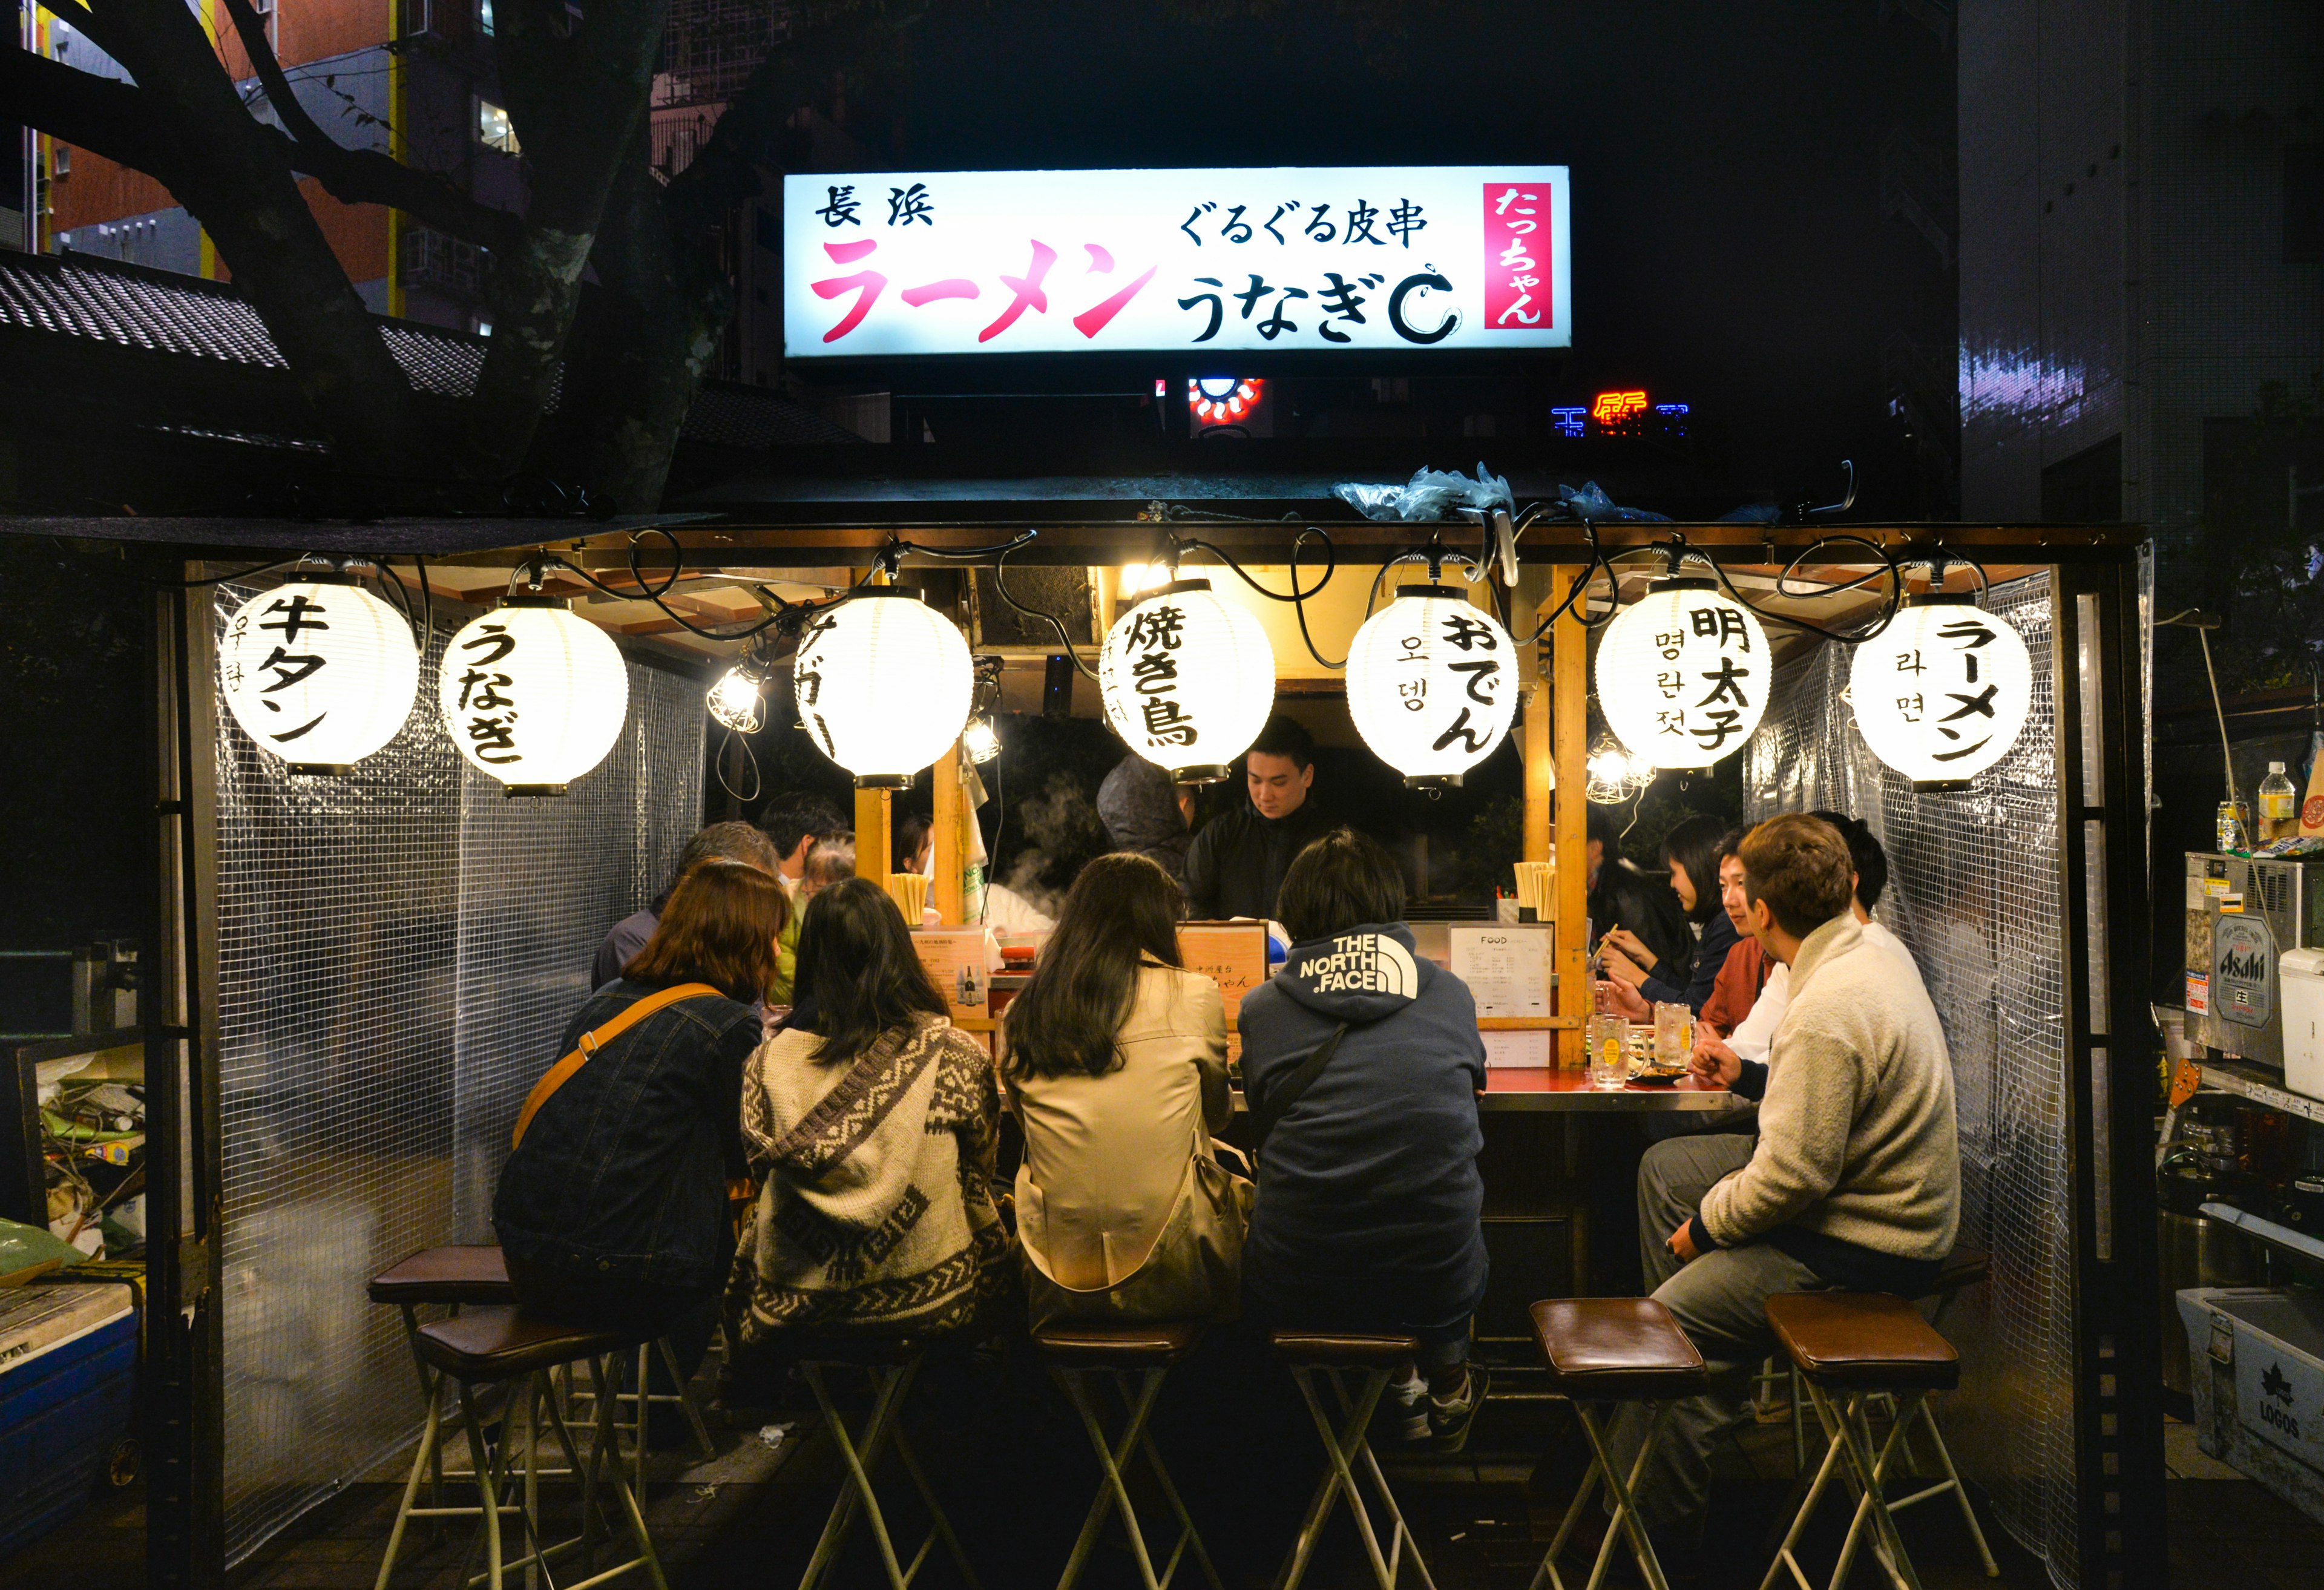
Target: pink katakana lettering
<point>928,292</point>
<point>867,284</point>
<point>1092,320</point>
<point>1028,290</point>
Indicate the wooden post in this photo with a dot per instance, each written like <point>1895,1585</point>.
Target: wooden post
<point>871,842</point>
<point>1569,682</point>
<point>1540,770</point>
<point>950,835</point>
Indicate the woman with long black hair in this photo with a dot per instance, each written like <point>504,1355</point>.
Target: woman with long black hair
<point>1117,1060</point>
<point>874,1123</point>
<point>1690,852</point>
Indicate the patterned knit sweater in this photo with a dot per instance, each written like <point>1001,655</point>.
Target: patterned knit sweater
<point>877,1215</point>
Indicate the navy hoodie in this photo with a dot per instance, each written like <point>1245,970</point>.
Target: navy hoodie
<point>1369,1181</point>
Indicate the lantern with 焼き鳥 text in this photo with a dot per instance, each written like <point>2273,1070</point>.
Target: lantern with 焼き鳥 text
<point>1942,693</point>
<point>1188,679</point>
<point>1683,674</point>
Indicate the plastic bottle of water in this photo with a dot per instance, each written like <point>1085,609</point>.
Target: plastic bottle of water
<point>2279,804</point>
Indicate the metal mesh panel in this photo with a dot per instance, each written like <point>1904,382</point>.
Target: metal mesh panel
<point>387,960</point>
<point>1973,889</point>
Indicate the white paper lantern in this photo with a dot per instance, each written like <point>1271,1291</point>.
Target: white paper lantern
<point>533,695</point>
<point>884,685</point>
<point>320,671</point>
<point>1942,694</point>
<point>1188,679</point>
<point>1683,674</point>
<point>1432,685</point>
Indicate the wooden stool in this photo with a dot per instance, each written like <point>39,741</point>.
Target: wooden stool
<point>1614,1350</point>
<point>891,1367</point>
<point>1854,1346</point>
<point>1334,1357</point>
<point>502,1347</point>
<point>1137,1359</point>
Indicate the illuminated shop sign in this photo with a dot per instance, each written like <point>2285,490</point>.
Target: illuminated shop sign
<point>1364,259</point>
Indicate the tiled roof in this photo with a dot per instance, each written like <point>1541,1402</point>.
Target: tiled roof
<point>138,307</point>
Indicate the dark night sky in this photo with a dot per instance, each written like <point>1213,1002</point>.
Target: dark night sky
<point>1730,249</point>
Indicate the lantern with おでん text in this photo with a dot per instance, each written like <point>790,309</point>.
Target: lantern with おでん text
<point>320,671</point>
<point>1188,679</point>
<point>1683,674</point>
<point>884,685</point>
<point>533,695</point>
<point>1942,694</point>
<point>1432,684</point>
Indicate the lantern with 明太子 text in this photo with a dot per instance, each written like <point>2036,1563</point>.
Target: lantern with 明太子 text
<point>320,671</point>
<point>1942,693</point>
<point>533,695</point>
<point>1432,684</point>
<point>1188,679</point>
<point>1683,674</point>
<point>884,685</point>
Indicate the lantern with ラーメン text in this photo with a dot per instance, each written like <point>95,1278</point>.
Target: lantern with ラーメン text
<point>533,695</point>
<point>1683,674</point>
<point>884,685</point>
<point>1432,684</point>
<point>320,671</point>
<point>1942,693</point>
<point>1188,679</point>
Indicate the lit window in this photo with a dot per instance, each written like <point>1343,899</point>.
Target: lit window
<point>484,17</point>
<point>494,128</point>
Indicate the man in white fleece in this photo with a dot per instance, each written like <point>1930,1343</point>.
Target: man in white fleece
<point>1856,1180</point>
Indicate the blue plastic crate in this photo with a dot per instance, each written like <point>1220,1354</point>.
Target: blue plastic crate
<point>68,1395</point>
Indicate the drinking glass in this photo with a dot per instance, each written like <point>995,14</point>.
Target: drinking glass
<point>1674,1033</point>
<point>1610,1060</point>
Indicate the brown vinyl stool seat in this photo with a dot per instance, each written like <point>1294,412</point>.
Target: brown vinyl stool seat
<point>501,1344</point>
<point>1342,1349</point>
<point>1964,1268</point>
<point>1870,1339</point>
<point>1855,1352</point>
<point>1372,1360</point>
<point>1616,1350</point>
<point>1600,1350</point>
<point>469,1274</point>
<point>1136,1359</point>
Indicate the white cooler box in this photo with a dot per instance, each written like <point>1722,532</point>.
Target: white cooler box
<point>2256,1370</point>
<point>2299,983</point>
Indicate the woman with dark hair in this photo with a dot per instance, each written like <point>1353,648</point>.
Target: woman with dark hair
<point>1117,1060</point>
<point>1362,1064</point>
<point>612,1206</point>
<point>1690,852</point>
<point>874,1125</point>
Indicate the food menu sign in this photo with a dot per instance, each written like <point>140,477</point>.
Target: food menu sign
<point>1360,258</point>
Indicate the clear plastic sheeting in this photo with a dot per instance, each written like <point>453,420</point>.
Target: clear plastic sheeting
<point>398,951</point>
<point>1974,889</point>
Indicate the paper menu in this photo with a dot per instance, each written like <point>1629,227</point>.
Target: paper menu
<point>1506,969</point>
<point>1233,954</point>
<point>1529,1050</point>
<point>958,962</point>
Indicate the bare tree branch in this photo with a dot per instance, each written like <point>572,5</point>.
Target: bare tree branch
<point>101,114</point>
<point>365,176</point>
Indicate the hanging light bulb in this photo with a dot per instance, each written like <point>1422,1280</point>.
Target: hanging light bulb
<point>1944,692</point>
<point>1188,679</point>
<point>980,739</point>
<point>1683,674</point>
<point>533,694</point>
<point>1615,775</point>
<point>736,700</point>
<point>1432,685</point>
<point>320,671</point>
<point>884,684</point>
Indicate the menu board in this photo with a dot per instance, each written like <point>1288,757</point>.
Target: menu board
<point>958,962</point>
<point>1506,969</point>
<point>1233,954</point>
<point>1526,1050</point>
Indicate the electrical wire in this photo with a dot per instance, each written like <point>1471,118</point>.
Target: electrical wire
<point>1888,566</point>
<point>1298,599</point>
<point>758,782</point>
<point>1064,639</point>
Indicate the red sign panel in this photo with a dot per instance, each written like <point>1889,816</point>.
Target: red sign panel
<point>1516,256</point>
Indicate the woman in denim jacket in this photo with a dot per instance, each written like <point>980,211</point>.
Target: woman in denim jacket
<point>612,1210</point>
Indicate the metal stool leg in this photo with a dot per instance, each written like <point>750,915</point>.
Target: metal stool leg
<point>1625,1508</point>
<point>1850,1428</point>
<point>1113,1492</point>
<point>888,1393</point>
<point>1785,1557</point>
<point>1341,1448</point>
<point>1926,1412</point>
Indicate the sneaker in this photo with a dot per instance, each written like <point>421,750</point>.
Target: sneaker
<point>1448,1422</point>
<point>1408,1407</point>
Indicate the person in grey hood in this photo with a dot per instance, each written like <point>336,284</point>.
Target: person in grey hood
<point>1369,1192</point>
<point>1139,805</point>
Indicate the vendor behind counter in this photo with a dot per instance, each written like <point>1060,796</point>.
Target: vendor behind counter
<point>1236,866</point>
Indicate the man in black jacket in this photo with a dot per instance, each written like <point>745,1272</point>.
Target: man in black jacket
<point>1621,895</point>
<point>1237,864</point>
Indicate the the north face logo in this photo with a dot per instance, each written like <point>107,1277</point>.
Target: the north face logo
<point>1363,963</point>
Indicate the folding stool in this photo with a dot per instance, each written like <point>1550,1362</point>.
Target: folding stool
<point>891,1367</point>
<point>1334,1356</point>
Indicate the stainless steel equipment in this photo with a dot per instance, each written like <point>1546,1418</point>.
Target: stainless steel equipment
<point>2233,1004</point>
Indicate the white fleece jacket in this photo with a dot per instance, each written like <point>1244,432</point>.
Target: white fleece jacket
<point>1856,1132</point>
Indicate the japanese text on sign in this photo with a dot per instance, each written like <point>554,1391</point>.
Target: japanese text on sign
<point>1159,261</point>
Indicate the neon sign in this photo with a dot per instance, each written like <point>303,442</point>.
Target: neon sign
<point>1612,408</point>
<point>1223,400</point>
